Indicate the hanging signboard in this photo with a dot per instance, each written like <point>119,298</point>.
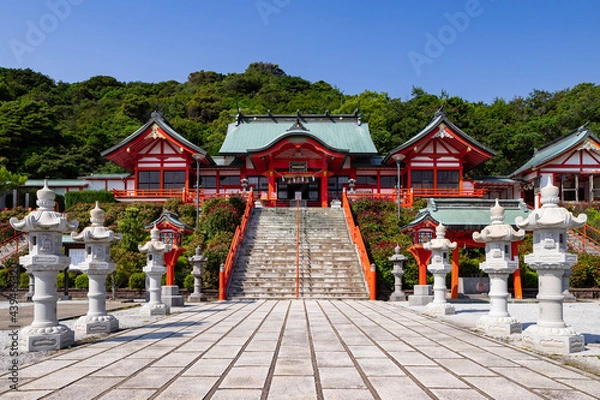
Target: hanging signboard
<point>298,166</point>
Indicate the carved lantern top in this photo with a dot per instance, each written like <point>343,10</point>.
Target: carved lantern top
<point>44,218</point>
<point>440,243</point>
<point>154,245</point>
<point>498,231</point>
<point>550,215</point>
<point>96,232</point>
<point>397,256</point>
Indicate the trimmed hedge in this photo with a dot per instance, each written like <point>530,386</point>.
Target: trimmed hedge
<point>88,196</point>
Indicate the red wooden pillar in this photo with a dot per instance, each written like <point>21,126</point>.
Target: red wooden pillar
<point>454,278</point>
<point>517,274</point>
<point>422,257</point>
<point>170,259</point>
<point>272,190</point>
<point>324,190</point>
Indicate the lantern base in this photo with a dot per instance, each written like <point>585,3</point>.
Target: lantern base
<point>154,309</point>
<point>94,325</point>
<point>499,326</point>
<point>197,298</point>
<point>553,340</point>
<point>435,309</point>
<point>45,339</point>
<point>421,297</point>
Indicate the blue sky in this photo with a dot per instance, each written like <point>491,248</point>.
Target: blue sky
<point>476,49</point>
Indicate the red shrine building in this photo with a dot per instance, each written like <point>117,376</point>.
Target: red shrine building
<point>308,157</point>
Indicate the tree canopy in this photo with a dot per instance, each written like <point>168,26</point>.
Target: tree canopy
<point>58,129</point>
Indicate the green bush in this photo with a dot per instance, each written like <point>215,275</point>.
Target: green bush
<point>82,281</point>
<point>3,278</point>
<point>586,273</point>
<point>222,217</point>
<point>188,282</point>
<point>88,197</point>
<point>23,280</point>
<point>529,278</point>
<point>60,280</point>
<point>137,280</point>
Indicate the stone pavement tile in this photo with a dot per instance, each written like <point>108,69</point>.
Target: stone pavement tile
<point>233,341</point>
<point>418,341</point>
<point>510,353</point>
<point>438,352</point>
<point>85,388</point>
<point>530,378</point>
<point>499,388</point>
<point>293,351</point>
<point>254,358</point>
<point>550,369</point>
<point>152,352</point>
<point>150,378</point>
<point>188,388</point>
<point>24,395</point>
<point>293,387</point>
<point>43,368</point>
<point>128,394</point>
<point>486,359</point>
<point>101,360</point>
<point>219,351</point>
<point>59,379</point>
<point>398,388</point>
<point>245,378</point>
<point>562,394</point>
<point>208,367</point>
<point>333,359</point>
<point>237,394</point>
<point>380,367</point>
<point>176,359</point>
<point>464,367</point>
<point>347,394</point>
<point>195,347</point>
<point>366,352</point>
<point>262,345</point>
<point>293,366</point>
<point>411,358</point>
<point>340,378</point>
<point>174,340</point>
<point>394,345</point>
<point>435,377</point>
<point>125,367</point>
<point>80,353</point>
<point>327,345</point>
<point>264,335</point>
<point>462,394</point>
<point>590,386</point>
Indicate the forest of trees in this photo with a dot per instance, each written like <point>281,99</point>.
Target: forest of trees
<point>58,129</point>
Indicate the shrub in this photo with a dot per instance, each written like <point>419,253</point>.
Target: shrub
<point>220,218</point>
<point>586,273</point>
<point>88,197</point>
<point>23,280</point>
<point>82,281</point>
<point>60,279</point>
<point>3,278</point>
<point>188,282</point>
<point>137,280</point>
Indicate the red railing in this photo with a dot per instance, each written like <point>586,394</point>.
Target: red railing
<point>297,248</point>
<point>370,274</point>
<point>589,236</point>
<point>238,237</point>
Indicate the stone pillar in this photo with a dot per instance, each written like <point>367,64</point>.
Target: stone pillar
<point>198,261</point>
<point>398,260</point>
<point>154,270</point>
<point>439,266</point>
<point>97,266</point>
<point>498,238</point>
<point>550,259</point>
<point>44,261</point>
<point>566,280</point>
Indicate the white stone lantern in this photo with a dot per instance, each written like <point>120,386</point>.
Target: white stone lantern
<point>97,265</point>
<point>154,269</point>
<point>498,264</point>
<point>44,261</point>
<point>198,261</point>
<point>439,266</point>
<point>398,260</point>
<point>550,259</point>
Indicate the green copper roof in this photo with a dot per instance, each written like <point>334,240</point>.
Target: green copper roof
<point>468,214</point>
<point>343,132</point>
<point>557,147</point>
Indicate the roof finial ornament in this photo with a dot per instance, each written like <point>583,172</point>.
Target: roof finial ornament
<point>357,109</point>
<point>156,114</point>
<point>440,111</point>
<point>238,117</point>
<point>583,127</point>
<point>298,113</point>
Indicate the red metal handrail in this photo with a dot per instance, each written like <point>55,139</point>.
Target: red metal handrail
<point>297,248</point>
<point>589,236</point>
<point>370,274</point>
<point>238,237</point>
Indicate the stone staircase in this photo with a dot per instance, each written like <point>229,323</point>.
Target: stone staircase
<point>328,263</point>
<point>576,242</point>
<point>13,246</point>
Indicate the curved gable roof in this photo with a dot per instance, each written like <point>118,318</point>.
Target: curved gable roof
<point>344,131</point>
<point>557,147</point>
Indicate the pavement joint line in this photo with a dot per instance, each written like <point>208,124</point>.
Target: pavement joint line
<point>404,369</point>
<point>269,379</point>
<point>357,366</point>
<point>495,340</point>
<point>313,355</point>
<point>211,392</point>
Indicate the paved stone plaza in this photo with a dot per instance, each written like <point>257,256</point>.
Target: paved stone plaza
<point>294,349</point>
